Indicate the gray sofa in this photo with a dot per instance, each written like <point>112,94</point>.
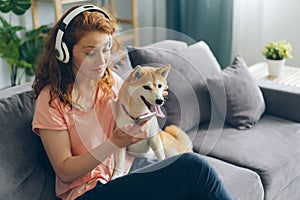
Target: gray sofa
<point>257,162</point>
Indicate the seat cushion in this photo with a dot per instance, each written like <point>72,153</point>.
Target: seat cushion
<point>271,148</point>
<point>241,183</point>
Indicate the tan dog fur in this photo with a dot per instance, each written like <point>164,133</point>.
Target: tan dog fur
<point>148,82</point>
<point>175,141</point>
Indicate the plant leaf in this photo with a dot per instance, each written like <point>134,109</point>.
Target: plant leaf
<point>5,6</point>
<point>36,32</point>
<point>9,42</point>
<point>18,7</point>
<point>32,47</point>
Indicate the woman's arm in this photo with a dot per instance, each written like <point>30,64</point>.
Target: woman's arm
<point>68,167</point>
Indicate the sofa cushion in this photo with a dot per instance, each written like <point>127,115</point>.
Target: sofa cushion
<point>188,103</point>
<point>22,175</point>
<point>291,192</point>
<point>281,100</point>
<point>271,148</point>
<point>121,62</point>
<point>241,183</point>
<point>168,44</point>
<point>243,104</point>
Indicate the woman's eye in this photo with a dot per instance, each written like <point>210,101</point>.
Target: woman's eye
<point>146,87</point>
<point>91,53</point>
<point>106,50</point>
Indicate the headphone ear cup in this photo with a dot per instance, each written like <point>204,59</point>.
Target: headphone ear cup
<point>65,51</point>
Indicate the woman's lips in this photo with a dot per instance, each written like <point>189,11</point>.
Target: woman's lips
<point>97,70</point>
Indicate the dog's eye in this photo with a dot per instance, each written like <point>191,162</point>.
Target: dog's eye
<point>159,85</point>
<point>146,87</point>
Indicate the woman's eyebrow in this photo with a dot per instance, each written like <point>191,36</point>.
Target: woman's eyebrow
<point>93,46</point>
<point>89,47</point>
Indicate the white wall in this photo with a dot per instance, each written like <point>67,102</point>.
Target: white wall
<point>281,21</point>
<point>257,22</point>
<point>4,75</point>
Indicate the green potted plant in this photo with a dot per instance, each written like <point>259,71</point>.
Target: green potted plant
<point>18,47</point>
<point>276,54</point>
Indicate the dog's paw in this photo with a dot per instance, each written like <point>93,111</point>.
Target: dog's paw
<point>115,176</point>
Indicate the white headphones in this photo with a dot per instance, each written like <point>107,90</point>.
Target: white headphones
<point>61,49</point>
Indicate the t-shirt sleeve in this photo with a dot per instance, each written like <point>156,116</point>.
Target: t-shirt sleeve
<point>45,116</point>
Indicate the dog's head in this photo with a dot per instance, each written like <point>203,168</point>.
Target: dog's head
<point>145,86</point>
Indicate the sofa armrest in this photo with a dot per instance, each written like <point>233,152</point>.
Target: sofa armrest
<point>10,91</point>
<point>281,100</point>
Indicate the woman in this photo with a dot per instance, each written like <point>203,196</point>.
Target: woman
<point>74,117</point>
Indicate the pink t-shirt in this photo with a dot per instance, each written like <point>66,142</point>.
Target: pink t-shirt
<point>86,131</point>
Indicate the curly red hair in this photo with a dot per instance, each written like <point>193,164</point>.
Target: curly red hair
<point>60,76</point>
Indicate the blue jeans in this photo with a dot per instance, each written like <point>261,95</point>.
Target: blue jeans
<point>181,177</point>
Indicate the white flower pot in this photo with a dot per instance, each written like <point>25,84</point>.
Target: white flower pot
<point>275,67</point>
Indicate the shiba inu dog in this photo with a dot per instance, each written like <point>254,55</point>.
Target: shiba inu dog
<point>140,98</point>
<point>141,94</point>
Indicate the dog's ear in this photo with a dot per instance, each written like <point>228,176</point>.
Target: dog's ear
<point>136,74</point>
<point>164,70</point>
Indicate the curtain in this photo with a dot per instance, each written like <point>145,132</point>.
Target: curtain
<point>207,20</point>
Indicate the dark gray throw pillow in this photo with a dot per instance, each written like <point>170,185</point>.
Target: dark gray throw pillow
<point>22,173</point>
<point>121,64</point>
<point>244,103</point>
<point>188,103</point>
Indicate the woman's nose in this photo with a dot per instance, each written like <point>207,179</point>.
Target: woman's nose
<point>101,58</point>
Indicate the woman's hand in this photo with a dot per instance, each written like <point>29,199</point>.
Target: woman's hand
<point>129,134</point>
<point>165,93</point>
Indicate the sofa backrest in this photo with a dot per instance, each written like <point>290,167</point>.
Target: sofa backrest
<point>24,169</point>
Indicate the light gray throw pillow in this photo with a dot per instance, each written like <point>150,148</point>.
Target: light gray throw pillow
<point>244,103</point>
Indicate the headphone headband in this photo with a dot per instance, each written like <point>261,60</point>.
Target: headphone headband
<point>77,11</point>
<point>61,50</point>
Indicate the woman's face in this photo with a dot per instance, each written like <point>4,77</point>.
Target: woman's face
<point>91,55</point>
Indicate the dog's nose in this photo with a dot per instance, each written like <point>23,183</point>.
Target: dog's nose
<point>159,102</point>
